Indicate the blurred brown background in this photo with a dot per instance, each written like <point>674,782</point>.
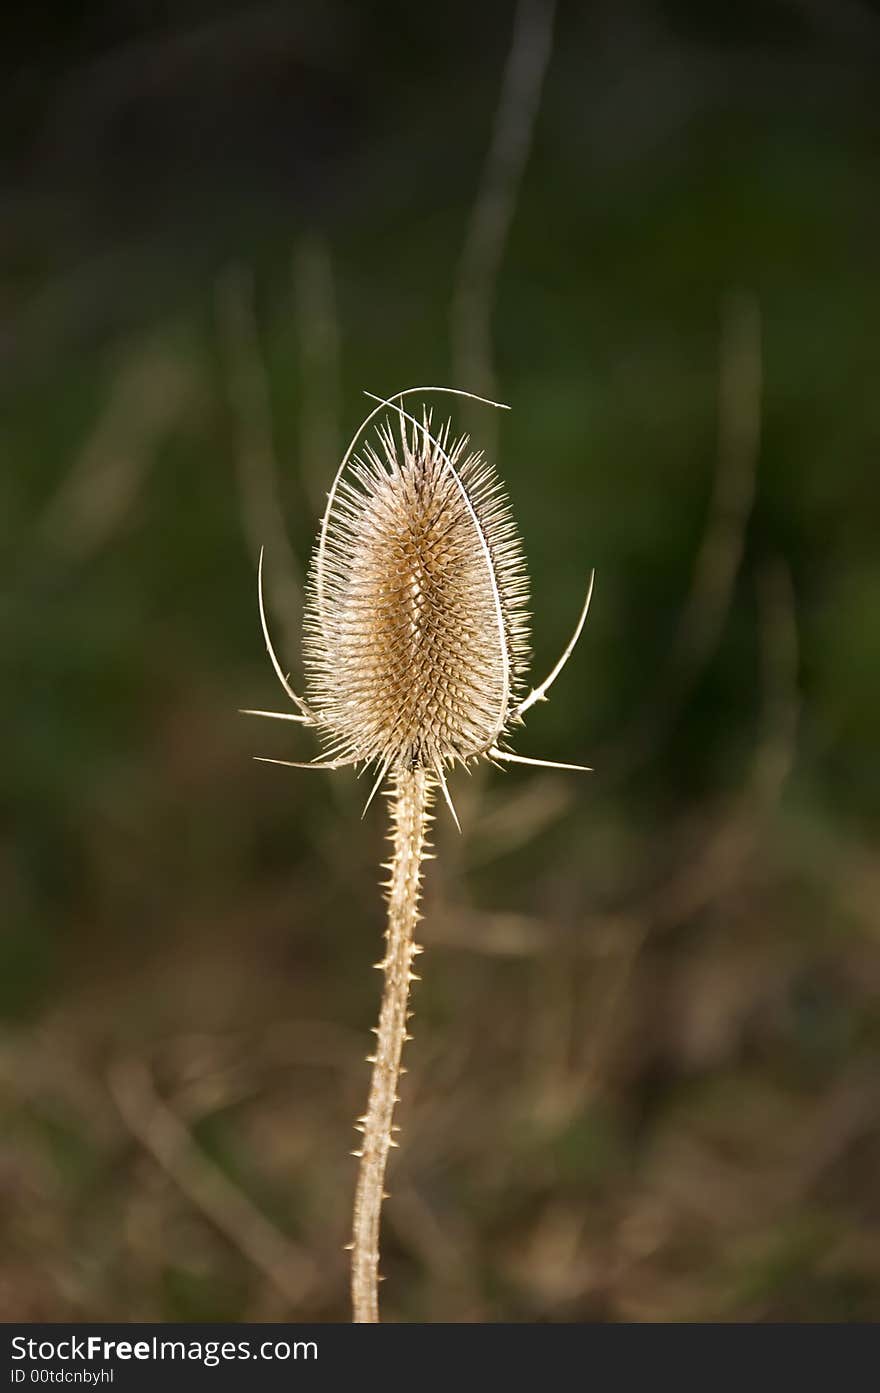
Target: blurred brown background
<point>644,1079</point>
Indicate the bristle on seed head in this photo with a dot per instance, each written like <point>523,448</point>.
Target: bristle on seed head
<point>416,633</point>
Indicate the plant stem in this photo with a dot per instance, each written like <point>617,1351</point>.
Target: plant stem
<point>410,803</point>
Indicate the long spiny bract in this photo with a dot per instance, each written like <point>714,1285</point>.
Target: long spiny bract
<point>403,651</point>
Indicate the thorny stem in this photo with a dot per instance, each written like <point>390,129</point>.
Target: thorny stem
<point>410,802</point>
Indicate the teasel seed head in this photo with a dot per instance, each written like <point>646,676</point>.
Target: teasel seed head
<point>416,631</point>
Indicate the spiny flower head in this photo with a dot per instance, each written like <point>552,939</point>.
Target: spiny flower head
<point>416,628</point>
<point>416,634</point>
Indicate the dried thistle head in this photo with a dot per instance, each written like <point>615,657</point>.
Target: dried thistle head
<point>416,629</point>
<point>416,636</point>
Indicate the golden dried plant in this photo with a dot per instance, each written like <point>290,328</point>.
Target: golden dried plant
<point>416,649</point>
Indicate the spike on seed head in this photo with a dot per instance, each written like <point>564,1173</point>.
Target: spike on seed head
<point>416,637</point>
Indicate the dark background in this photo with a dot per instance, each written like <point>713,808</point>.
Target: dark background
<point>644,1078</point>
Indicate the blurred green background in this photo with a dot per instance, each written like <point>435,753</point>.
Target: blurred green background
<point>644,1081</point>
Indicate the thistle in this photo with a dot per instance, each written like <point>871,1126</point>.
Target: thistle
<point>416,650</point>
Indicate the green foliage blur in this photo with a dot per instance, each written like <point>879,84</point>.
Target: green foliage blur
<point>643,1083</point>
